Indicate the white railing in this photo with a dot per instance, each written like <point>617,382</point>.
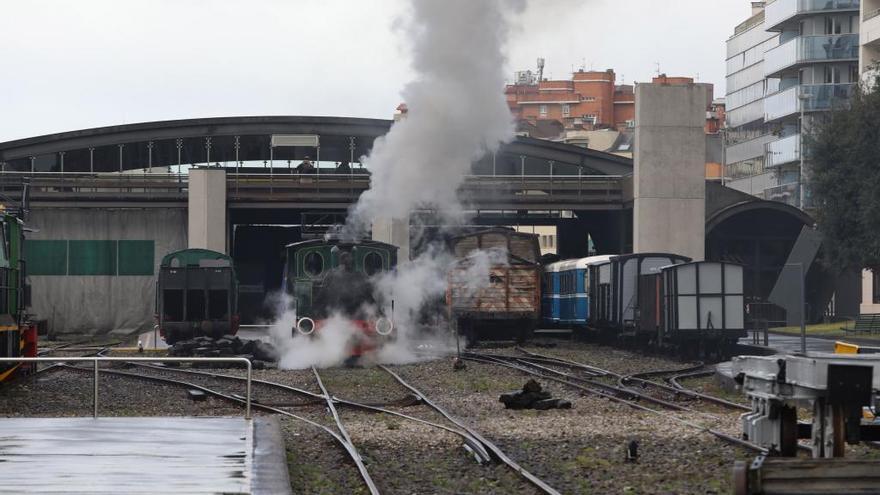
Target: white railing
<point>785,150</point>
<point>780,11</point>
<point>95,360</point>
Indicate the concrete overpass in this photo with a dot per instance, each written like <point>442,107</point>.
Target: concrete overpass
<point>125,195</point>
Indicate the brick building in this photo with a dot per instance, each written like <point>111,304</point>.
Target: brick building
<point>590,100</point>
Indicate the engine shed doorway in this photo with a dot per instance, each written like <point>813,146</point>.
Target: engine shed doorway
<point>258,254</point>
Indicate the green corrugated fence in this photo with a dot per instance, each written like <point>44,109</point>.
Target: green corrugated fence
<point>123,257</point>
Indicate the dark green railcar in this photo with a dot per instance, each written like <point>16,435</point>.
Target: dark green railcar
<point>17,337</point>
<point>325,277</point>
<point>196,295</point>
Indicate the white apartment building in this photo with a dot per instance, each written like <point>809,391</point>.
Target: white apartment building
<point>789,61</point>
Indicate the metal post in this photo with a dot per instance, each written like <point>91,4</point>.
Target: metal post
<point>61,155</point>
<point>723,155</point>
<point>522,167</point>
<point>801,153</point>
<point>95,393</point>
<point>803,303</point>
<point>247,406</point>
<point>494,167</point>
<point>179,146</point>
<point>237,162</point>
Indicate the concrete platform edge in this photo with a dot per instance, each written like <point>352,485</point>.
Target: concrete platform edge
<point>270,459</point>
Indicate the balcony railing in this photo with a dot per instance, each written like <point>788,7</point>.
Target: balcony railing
<point>785,150</point>
<point>817,98</point>
<point>781,11</point>
<point>811,49</point>
<point>786,193</point>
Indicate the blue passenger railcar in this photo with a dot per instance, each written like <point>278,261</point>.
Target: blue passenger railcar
<point>550,295</point>
<point>567,299</point>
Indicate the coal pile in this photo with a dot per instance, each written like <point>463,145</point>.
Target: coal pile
<point>260,353</point>
<point>532,396</point>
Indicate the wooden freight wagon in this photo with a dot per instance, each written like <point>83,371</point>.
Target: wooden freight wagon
<point>494,285</point>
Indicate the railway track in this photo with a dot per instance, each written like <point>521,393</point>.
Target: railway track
<point>71,347</point>
<point>482,449</point>
<point>675,392</point>
<point>674,388</point>
<point>614,393</point>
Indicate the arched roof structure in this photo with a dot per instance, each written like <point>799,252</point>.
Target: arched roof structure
<point>249,140</point>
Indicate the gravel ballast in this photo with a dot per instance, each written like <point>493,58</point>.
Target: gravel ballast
<point>577,450</point>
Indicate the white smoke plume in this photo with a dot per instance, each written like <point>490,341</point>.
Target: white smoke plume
<point>328,347</point>
<point>457,113</point>
<point>456,110</point>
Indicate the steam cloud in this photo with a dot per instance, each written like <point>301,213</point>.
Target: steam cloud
<point>457,110</point>
<point>456,114</point>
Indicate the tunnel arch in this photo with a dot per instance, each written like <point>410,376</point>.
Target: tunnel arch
<point>760,235</point>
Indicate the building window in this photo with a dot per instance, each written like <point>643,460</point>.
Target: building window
<point>834,25</point>
<point>876,286</point>
<point>566,110</point>
<point>589,98</point>
<point>590,118</point>
<point>832,74</point>
<point>543,110</point>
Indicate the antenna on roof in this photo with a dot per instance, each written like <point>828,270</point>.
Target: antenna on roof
<point>658,67</point>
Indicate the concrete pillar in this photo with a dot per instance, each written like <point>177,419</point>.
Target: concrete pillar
<point>669,184</point>
<point>207,209</point>
<point>393,231</point>
<point>867,306</point>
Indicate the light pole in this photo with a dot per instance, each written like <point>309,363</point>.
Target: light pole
<point>802,300</point>
<point>723,156</point>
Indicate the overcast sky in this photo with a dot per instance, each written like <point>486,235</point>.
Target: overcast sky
<point>69,65</point>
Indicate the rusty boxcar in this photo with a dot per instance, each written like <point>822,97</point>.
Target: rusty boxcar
<point>495,284</point>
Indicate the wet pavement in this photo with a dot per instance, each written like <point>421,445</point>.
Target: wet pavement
<point>790,344</point>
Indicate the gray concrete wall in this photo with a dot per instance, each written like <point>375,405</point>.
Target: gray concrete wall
<point>669,186</point>
<point>101,304</point>
<point>207,209</point>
